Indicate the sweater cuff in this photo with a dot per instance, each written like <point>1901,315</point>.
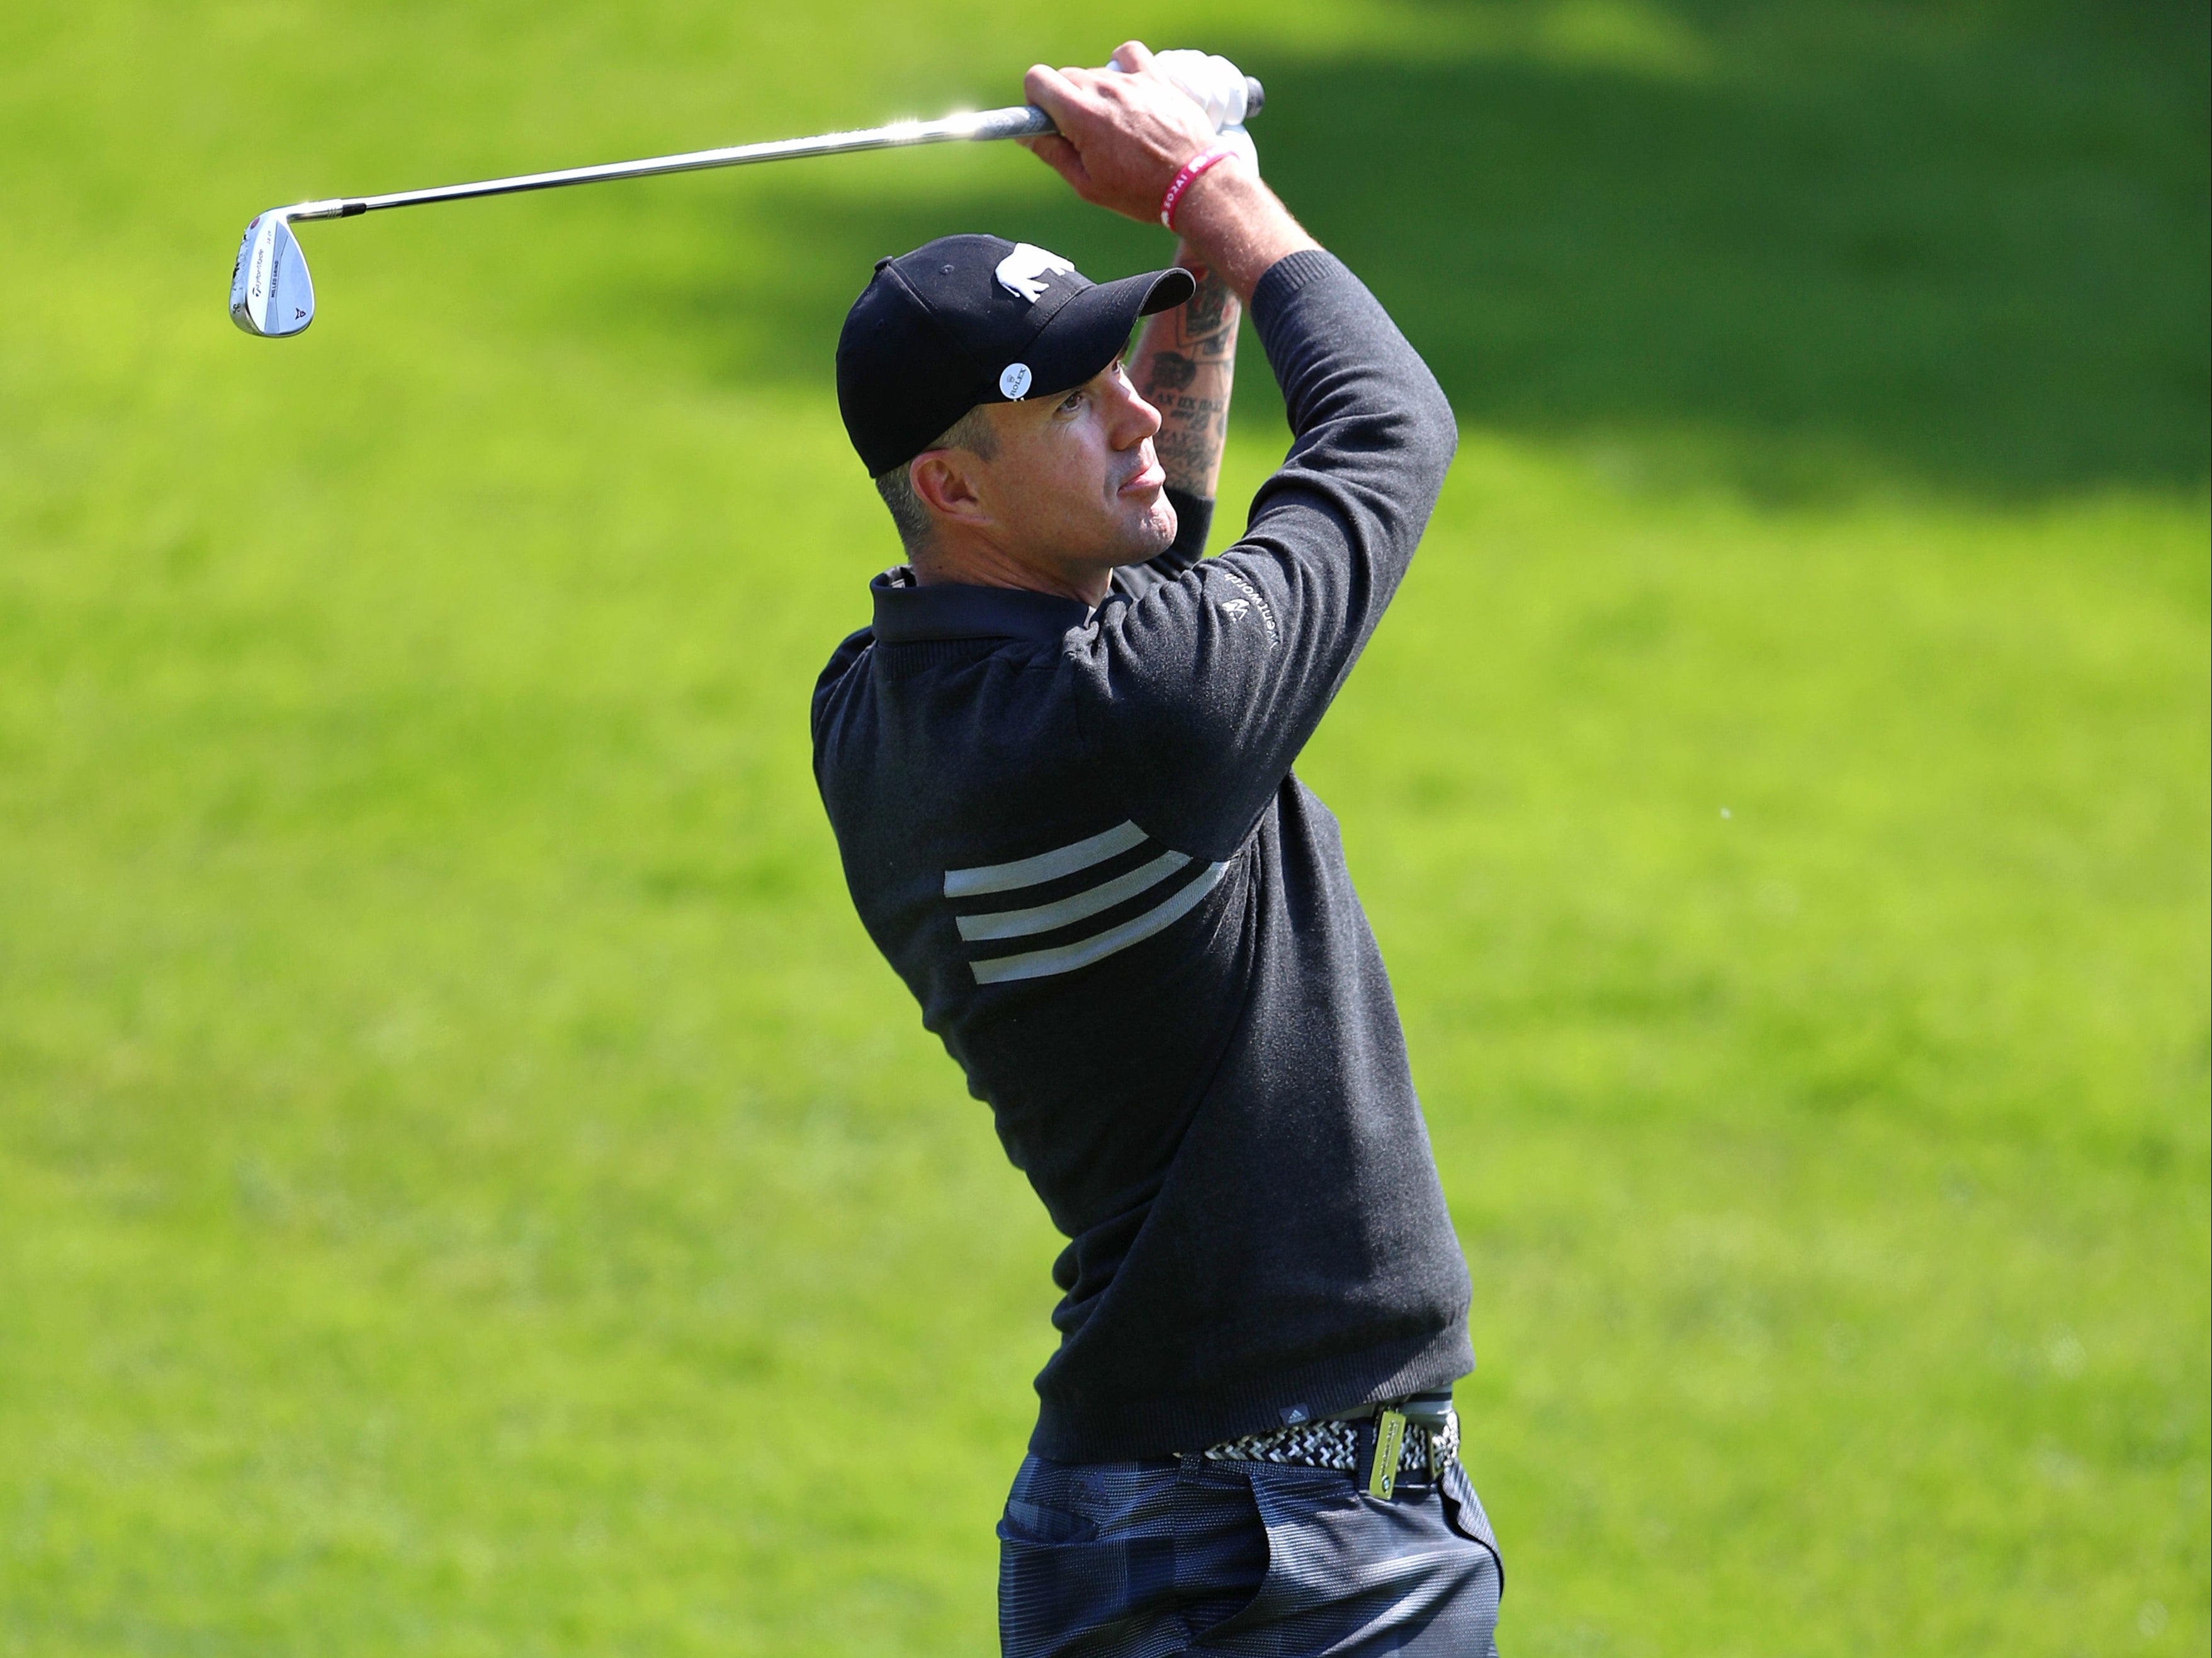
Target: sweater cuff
<point>1292,286</point>
<point>1289,274</point>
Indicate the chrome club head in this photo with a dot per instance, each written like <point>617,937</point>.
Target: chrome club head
<point>270,293</point>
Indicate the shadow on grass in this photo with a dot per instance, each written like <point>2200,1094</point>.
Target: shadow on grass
<point>1817,249</point>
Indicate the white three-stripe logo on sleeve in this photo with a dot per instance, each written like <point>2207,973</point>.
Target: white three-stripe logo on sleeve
<point>1165,875</point>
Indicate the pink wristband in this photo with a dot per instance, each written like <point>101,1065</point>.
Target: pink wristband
<point>1191,172</point>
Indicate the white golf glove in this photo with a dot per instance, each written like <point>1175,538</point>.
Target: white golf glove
<point>1247,151</point>
<point>1211,82</point>
<point>1216,85</point>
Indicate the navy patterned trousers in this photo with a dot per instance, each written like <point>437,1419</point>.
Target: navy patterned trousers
<point>1244,1560</point>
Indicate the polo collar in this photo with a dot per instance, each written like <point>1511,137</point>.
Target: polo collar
<point>908,613</point>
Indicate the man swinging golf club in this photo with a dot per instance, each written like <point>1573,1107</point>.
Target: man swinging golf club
<point>1058,765</point>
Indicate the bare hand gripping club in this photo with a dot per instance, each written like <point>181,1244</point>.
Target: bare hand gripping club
<point>272,296</point>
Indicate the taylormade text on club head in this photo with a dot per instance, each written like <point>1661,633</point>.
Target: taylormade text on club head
<point>271,293</point>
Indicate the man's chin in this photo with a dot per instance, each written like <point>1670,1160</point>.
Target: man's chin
<point>1141,532</point>
<point>1157,532</point>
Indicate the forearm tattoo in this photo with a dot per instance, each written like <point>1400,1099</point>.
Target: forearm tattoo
<point>1182,366</point>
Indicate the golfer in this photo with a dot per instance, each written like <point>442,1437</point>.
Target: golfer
<point>1058,765</point>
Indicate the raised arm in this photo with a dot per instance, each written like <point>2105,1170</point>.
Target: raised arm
<point>1203,689</point>
<point>1126,135</point>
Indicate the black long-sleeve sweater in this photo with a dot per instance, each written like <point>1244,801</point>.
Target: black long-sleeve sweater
<point>1077,837</point>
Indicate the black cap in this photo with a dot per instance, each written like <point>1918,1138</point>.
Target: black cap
<point>971,319</point>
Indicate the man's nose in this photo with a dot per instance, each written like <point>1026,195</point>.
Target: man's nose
<point>1136,420</point>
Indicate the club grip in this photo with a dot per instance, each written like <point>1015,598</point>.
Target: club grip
<point>1255,96</point>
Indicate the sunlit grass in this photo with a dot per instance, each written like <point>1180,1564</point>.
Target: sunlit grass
<point>467,1182</point>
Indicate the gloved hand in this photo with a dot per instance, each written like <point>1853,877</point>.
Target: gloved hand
<point>1216,85</point>
<point>1213,83</point>
<point>1122,133</point>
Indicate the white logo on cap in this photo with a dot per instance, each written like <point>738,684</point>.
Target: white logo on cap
<point>1015,381</point>
<point>1023,272</point>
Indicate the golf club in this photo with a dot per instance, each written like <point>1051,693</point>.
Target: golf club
<point>272,296</point>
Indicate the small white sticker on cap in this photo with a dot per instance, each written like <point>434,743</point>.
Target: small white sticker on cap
<point>1015,381</point>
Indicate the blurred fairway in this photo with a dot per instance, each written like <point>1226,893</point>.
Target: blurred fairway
<point>467,1185</point>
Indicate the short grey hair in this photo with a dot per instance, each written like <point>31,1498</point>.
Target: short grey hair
<point>973,432</point>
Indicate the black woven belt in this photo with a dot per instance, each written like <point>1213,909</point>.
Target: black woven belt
<point>1423,1453</point>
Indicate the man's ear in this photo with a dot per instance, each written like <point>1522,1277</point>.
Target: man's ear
<point>944,479</point>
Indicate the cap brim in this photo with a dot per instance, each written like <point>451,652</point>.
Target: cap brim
<point>1089,331</point>
<point>1163,289</point>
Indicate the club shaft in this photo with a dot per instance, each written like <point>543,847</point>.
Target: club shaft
<point>1023,121</point>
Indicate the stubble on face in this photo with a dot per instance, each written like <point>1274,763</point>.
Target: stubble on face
<point>1064,483</point>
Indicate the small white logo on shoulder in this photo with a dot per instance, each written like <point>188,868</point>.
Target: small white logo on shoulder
<point>1245,598</point>
<point>1024,272</point>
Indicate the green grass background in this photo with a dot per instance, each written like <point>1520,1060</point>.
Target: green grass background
<point>467,1185</point>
